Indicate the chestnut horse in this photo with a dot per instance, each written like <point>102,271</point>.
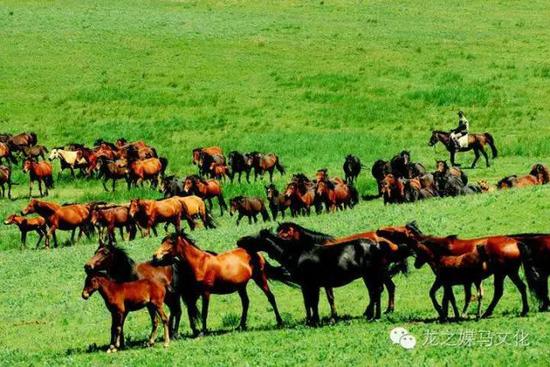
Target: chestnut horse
<point>65,218</point>
<point>193,206</point>
<point>205,189</point>
<point>121,298</point>
<point>336,196</point>
<point>41,172</point>
<point>503,256</point>
<point>265,163</point>
<point>114,216</point>
<point>6,153</point>
<point>208,150</point>
<point>25,225</point>
<point>116,263</point>
<point>538,175</point>
<point>393,189</point>
<point>204,274</point>
<point>301,196</point>
<point>475,142</point>
<point>5,179</point>
<point>148,213</point>
<point>535,254</point>
<point>151,169</point>
<point>19,141</point>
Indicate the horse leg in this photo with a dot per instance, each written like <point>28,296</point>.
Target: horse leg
<point>40,187</point>
<point>330,298</point>
<point>250,219</point>
<point>192,312</point>
<point>40,236</point>
<point>479,287</point>
<point>485,156</point>
<point>390,286</point>
<point>205,302</point>
<point>453,303</point>
<point>476,152</point>
<point>245,302</point>
<point>271,175</point>
<point>30,188</point>
<point>433,290</point>
<point>23,239</point>
<point>261,280</point>
<point>498,286</point>
<point>514,276</point>
<point>121,234</point>
<point>154,324</point>
<point>307,304</point>
<point>452,153</point>
<point>173,302</point>
<point>467,298</point>
<point>315,305</point>
<point>114,319</point>
<point>239,218</point>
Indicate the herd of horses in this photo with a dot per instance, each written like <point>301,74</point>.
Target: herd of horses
<point>311,260</point>
<point>400,180</point>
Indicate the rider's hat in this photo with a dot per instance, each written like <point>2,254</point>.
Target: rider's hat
<point>460,113</point>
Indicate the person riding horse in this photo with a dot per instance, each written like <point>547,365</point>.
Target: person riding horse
<point>461,130</point>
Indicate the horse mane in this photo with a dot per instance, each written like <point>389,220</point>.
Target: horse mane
<point>413,226</point>
<point>123,264</point>
<point>452,237</point>
<point>539,169</point>
<point>440,132</point>
<point>312,236</point>
<point>175,236</point>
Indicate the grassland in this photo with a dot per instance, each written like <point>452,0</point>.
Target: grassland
<point>309,81</point>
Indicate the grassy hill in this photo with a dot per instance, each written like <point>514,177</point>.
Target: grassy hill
<point>309,81</point>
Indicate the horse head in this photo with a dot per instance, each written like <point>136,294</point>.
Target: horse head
<point>433,139</point>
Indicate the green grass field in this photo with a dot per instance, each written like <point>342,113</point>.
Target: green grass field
<point>311,81</point>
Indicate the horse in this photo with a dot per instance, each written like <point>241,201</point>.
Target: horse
<point>352,168</point>
<point>442,168</point>
<point>6,153</point>
<point>68,159</point>
<point>239,163</point>
<point>503,253</point>
<point>393,189</point>
<point>538,175</point>
<point>476,142</point>
<point>25,225</point>
<point>114,216</point>
<point>450,270</point>
<point>301,197</point>
<point>66,217</point>
<point>112,170</point>
<point>339,196</point>
<point>208,161</point>
<point>314,266</point>
<point>171,186</point>
<point>35,151</point>
<point>379,170</point>
<point>219,171</point>
<point>535,255</point>
<point>277,202</point>
<point>205,273</point>
<point>208,150</point>
<point>137,150</point>
<point>193,206</point>
<point>115,263</point>
<point>41,172</point>
<point>205,189</point>
<point>121,298</point>
<point>5,179</point>
<point>151,169</point>
<point>148,213</point>
<point>265,163</point>
<point>249,207</point>
<point>19,141</point>
<point>397,256</point>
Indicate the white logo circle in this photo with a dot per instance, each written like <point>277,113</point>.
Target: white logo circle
<point>397,333</point>
<point>407,341</point>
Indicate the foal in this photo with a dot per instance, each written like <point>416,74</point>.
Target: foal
<point>25,225</point>
<point>121,298</point>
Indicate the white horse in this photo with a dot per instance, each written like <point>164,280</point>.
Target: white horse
<point>68,159</point>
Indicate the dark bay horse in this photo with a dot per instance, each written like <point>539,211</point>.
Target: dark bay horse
<point>114,216</point>
<point>6,153</point>
<point>239,163</point>
<point>503,255</point>
<point>315,266</point>
<point>277,201</point>
<point>5,179</point>
<point>115,262</point>
<point>121,298</point>
<point>535,254</point>
<point>249,207</point>
<point>204,273</point>
<point>265,163</point>
<point>476,142</point>
<point>41,172</point>
<point>352,168</point>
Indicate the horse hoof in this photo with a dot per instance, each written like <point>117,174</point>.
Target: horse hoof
<point>241,328</point>
<point>389,310</point>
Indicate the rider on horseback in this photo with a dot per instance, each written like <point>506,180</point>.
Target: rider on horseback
<point>461,130</point>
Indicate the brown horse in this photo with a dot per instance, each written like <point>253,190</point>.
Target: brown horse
<point>335,196</point>
<point>5,179</point>
<point>19,141</point>
<point>146,169</point>
<point>263,163</point>
<point>535,253</point>
<point>475,142</point>
<point>393,189</point>
<point>6,153</point>
<point>193,206</point>
<point>503,257</point>
<point>114,216</point>
<point>208,150</point>
<point>122,298</point>
<point>35,151</point>
<point>115,263</point>
<point>148,213</point>
<point>41,172</point>
<point>205,189</point>
<point>301,196</point>
<point>206,274</point>
<point>65,218</point>
<point>249,207</point>
<point>538,175</point>
<point>219,171</point>
<point>37,224</point>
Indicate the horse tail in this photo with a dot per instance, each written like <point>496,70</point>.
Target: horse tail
<point>354,195</point>
<point>34,138</point>
<point>278,273</point>
<point>48,180</point>
<point>208,219</point>
<point>265,215</point>
<point>534,279</point>
<point>221,201</point>
<point>279,166</point>
<point>163,165</point>
<point>491,142</point>
<point>154,152</point>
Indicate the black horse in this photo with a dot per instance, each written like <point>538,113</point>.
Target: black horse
<point>172,186</point>
<point>314,266</point>
<point>352,168</point>
<point>239,163</point>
